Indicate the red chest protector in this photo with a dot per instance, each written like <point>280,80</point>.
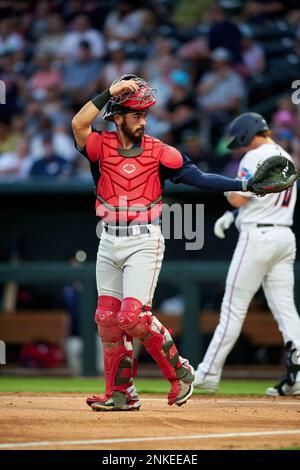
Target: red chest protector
<point>129,186</point>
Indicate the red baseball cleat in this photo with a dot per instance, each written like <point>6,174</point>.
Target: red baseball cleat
<point>118,402</point>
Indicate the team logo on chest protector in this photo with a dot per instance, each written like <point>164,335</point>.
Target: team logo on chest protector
<point>129,168</point>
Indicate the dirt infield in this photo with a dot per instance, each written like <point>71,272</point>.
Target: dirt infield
<point>63,421</point>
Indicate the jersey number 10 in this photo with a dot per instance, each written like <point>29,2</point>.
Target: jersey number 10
<point>286,198</point>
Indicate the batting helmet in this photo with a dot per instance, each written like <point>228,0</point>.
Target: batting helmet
<point>131,101</point>
<point>243,128</point>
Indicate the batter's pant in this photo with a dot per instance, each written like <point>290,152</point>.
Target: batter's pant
<point>263,256</point>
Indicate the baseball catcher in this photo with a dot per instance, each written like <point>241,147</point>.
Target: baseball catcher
<point>129,169</point>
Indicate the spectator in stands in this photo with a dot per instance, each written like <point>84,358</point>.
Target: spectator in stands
<point>161,57</point>
<point>50,41</point>
<point>41,127</point>
<point>220,93</point>
<point>14,83</point>
<point>224,33</point>
<point>51,165</point>
<point>81,30</point>
<point>285,117</point>
<point>35,117</point>
<point>157,66</point>
<point>10,39</point>
<point>117,64</point>
<point>258,11</point>
<point>194,148</point>
<point>46,76</point>
<point>253,57</point>
<point>127,21</point>
<point>9,137</point>
<point>39,25</point>
<point>285,125</point>
<point>181,108</point>
<point>63,143</point>
<point>293,17</point>
<point>81,74</point>
<point>54,106</point>
<point>16,164</point>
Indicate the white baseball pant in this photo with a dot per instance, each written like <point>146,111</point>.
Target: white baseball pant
<point>263,256</point>
<point>129,266</point>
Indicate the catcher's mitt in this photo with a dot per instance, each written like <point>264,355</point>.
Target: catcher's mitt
<point>273,175</point>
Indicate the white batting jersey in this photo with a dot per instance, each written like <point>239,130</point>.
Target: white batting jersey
<point>275,208</point>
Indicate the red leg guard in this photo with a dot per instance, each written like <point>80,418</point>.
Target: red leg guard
<point>118,368</point>
<point>154,336</point>
<point>118,354</point>
<point>154,346</point>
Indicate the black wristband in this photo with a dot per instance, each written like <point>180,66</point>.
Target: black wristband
<point>101,99</point>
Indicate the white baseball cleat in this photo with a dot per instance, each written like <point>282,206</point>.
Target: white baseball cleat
<point>283,389</point>
<point>207,385</point>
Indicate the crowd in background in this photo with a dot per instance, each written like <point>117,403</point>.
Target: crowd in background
<point>56,55</point>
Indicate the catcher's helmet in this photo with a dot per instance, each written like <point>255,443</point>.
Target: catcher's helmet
<point>131,101</point>
<point>243,128</point>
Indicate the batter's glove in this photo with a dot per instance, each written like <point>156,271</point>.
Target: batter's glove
<point>223,223</point>
<point>273,175</point>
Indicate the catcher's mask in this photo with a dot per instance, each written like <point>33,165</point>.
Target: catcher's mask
<point>140,100</point>
<point>243,128</point>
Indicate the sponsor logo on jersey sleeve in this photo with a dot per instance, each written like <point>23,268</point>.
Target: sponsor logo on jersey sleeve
<point>244,173</point>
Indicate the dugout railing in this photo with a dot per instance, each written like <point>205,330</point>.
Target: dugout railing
<point>186,275</point>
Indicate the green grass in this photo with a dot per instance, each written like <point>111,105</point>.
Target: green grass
<point>93,385</point>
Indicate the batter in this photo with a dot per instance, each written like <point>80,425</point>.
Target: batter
<point>264,255</point>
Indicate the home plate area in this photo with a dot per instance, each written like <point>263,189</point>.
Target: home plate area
<point>63,421</point>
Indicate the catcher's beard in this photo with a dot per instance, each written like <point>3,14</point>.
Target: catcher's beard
<point>133,136</point>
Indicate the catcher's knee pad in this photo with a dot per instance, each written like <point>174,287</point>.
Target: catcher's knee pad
<point>106,317</point>
<point>138,321</point>
<point>130,318</point>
